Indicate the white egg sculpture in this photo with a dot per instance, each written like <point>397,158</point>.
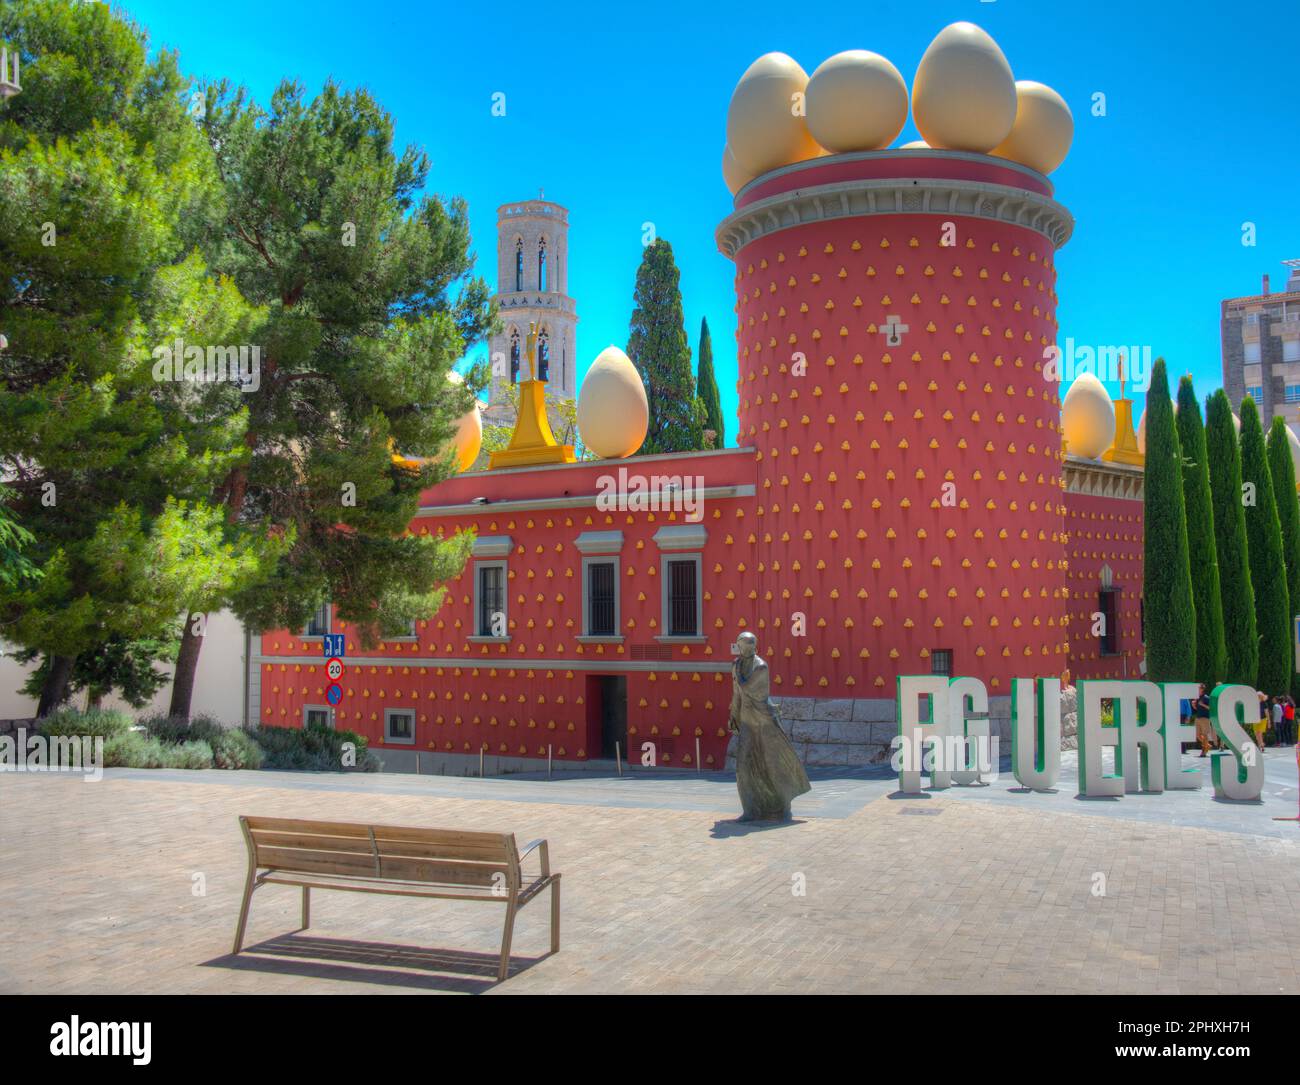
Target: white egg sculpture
<point>1043,130</point>
<point>765,121</point>
<point>468,438</point>
<point>1294,442</point>
<point>613,412</point>
<point>916,145</point>
<point>1088,418</point>
<point>735,177</point>
<point>964,95</point>
<point>856,101</point>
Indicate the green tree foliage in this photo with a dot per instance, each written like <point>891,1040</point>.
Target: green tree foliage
<point>105,184</point>
<point>706,388</point>
<point>1267,566</point>
<point>1201,553</point>
<point>366,299</point>
<point>121,664</point>
<point>1282,468</point>
<point>14,538</point>
<point>1167,577</point>
<point>1240,643</point>
<point>658,348</point>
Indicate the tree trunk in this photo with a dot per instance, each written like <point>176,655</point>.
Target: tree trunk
<point>187,663</point>
<point>56,685</point>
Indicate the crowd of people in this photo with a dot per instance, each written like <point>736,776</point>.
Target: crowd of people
<point>1275,726</point>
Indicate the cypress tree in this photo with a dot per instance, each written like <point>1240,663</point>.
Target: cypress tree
<point>1167,576</point>
<point>1201,553</point>
<point>657,345</point>
<point>706,388</point>
<point>1282,468</point>
<point>1241,649</point>
<point>1267,567</point>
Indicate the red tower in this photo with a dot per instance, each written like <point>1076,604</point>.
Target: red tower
<point>894,311</point>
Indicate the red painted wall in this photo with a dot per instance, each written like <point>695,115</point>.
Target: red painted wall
<point>1104,531</point>
<point>853,456</point>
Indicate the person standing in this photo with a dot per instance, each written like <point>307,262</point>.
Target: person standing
<point>1288,721</point>
<point>1201,714</point>
<point>1279,717</point>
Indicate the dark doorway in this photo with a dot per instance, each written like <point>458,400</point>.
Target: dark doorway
<point>612,691</point>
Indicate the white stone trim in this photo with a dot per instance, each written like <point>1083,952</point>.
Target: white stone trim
<point>599,542</point>
<point>682,537</point>
<point>492,546</point>
<point>893,196</point>
<point>661,498</point>
<point>578,665</point>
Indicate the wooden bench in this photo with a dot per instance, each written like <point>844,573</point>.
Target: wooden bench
<point>445,863</point>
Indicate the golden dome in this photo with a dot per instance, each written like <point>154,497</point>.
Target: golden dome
<point>765,123</point>
<point>964,95</point>
<point>856,101</point>
<point>1088,418</point>
<point>613,412</point>
<point>1043,130</point>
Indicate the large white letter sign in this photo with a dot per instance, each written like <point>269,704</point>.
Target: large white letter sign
<point>968,734</point>
<point>1093,782</point>
<point>1230,708</point>
<point>1036,732</point>
<point>1140,755</point>
<point>1175,733</point>
<point>913,733</point>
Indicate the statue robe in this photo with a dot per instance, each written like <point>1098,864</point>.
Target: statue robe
<point>769,774</point>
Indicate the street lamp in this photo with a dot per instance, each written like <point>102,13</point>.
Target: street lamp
<point>9,85</point>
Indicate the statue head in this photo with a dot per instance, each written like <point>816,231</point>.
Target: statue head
<point>747,645</point>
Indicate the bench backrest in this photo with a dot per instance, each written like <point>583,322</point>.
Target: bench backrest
<point>349,849</point>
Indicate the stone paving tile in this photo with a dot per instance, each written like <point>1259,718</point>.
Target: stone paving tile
<point>981,897</point>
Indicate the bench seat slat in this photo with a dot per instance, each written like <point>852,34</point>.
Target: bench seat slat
<point>381,832</point>
<point>398,888</point>
<point>351,844</point>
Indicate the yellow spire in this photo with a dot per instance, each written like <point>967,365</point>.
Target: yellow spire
<point>532,441</point>
<point>1124,449</point>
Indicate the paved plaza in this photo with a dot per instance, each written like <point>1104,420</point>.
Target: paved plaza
<point>132,885</point>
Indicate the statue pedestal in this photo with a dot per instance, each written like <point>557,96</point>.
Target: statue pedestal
<point>533,442</point>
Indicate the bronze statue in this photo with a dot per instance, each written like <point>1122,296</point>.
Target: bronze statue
<point>768,772</point>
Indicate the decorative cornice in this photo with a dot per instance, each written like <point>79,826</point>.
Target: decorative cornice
<point>894,196</point>
<point>1100,478</point>
<point>654,499</point>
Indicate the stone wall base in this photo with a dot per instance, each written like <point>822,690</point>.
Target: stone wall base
<point>846,733</point>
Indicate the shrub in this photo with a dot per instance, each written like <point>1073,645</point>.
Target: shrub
<point>173,730</point>
<point>134,750</point>
<point>315,749</point>
<point>235,749</point>
<point>97,723</point>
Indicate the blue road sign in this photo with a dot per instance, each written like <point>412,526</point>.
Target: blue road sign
<point>333,645</point>
<point>333,693</point>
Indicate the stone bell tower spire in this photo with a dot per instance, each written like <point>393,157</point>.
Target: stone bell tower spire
<point>532,288</point>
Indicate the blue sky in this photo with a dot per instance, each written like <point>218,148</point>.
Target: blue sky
<point>619,112</point>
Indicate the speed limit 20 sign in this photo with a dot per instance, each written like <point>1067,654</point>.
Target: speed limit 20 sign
<point>334,669</point>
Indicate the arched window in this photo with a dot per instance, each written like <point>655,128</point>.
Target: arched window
<point>541,265</point>
<point>543,357</point>
<point>514,355</point>
<point>519,265</point>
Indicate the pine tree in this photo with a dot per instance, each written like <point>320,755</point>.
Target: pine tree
<point>105,184</point>
<point>1267,566</point>
<point>368,296</point>
<point>1240,643</point>
<point>1167,576</point>
<point>1282,468</point>
<point>658,348</point>
<point>706,388</point>
<point>1201,554</point>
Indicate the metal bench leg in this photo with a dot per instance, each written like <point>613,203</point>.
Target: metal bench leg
<point>504,970</point>
<point>555,915</point>
<point>306,907</point>
<point>249,886</point>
